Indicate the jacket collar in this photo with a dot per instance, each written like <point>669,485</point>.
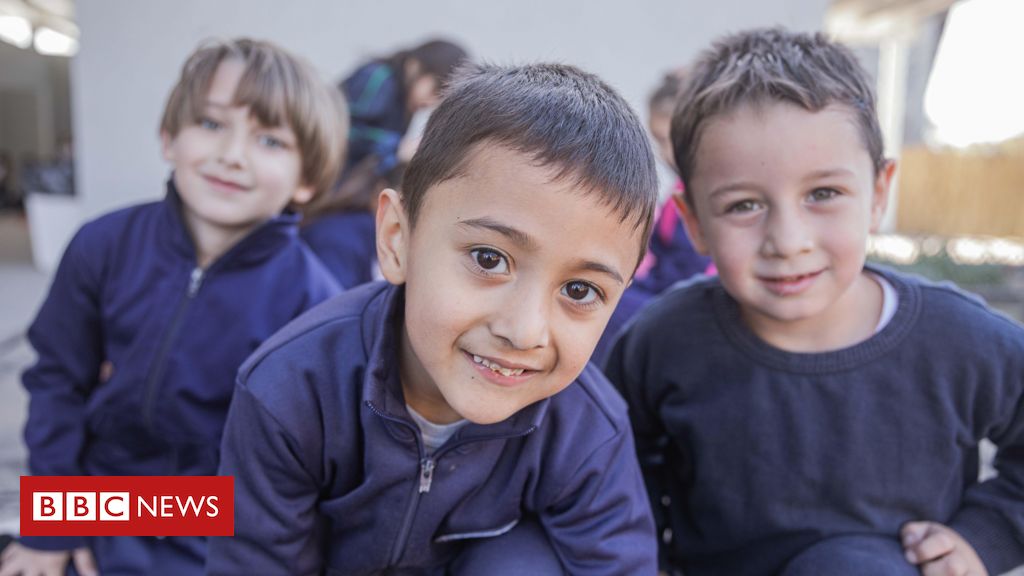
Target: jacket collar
<point>382,337</point>
<point>255,247</point>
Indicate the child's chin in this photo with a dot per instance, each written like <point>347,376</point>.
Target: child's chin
<point>485,417</point>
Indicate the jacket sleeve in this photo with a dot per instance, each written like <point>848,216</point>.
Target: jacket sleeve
<point>276,527</point>
<point>67,338</point>
<point>601,523</point>
<point>991,516</point>
<point>627,368</point>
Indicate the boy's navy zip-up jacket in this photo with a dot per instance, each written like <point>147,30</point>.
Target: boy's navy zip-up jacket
<point>331,475</point>
<point>138,348</point>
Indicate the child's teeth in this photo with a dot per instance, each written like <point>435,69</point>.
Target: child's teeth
<point>497,367</point>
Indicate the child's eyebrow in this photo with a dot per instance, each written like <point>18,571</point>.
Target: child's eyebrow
<point>603,269</point>
<point>520,238</point>
<point>734,187</point>
<point>828,173</point>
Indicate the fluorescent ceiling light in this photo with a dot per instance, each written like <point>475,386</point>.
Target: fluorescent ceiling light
<point>53,43</point>
<point>975,91</point>
<point>16,30</point>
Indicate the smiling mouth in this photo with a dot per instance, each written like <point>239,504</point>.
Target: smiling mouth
<point>225,183</point>
<point>789,279</point>
<point>498,368</point>
<point>790,285</point>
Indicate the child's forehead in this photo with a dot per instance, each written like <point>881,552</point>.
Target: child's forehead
<point>512,175</point>
<point>238,86</point>
<point>513,190</point>
<point>780,128</point>
<point>778,144</point>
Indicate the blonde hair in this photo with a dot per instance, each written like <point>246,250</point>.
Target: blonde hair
<point>281,90</point>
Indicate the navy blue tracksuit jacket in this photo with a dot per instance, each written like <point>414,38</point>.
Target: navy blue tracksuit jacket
<point>331,475</point>
<point>129,301</point>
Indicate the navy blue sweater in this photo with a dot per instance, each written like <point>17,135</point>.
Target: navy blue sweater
<point>128,293</point>
<point>765,452</point>
<point>331,474</point>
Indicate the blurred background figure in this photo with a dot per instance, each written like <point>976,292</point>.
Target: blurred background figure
<point>384,94</point>
<point>340,226</point>
<point>670,256</point>
<point>386,97</point>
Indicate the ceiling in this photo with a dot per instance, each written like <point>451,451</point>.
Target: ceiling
<point>56,14</point>
<point>874,20</point>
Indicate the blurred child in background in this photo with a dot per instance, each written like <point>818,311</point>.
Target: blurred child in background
<point>154,307</point>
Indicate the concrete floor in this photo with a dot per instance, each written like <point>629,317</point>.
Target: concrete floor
<point>22,289</point>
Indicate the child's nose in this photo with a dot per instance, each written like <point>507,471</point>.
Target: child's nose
<point>232,148</point>
<point>786,234</point>
<point>522,319</point>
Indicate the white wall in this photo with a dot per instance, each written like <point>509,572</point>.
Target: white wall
<point>131,53</point>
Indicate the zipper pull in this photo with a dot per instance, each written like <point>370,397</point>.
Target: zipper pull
<point>195,281</point>
<point>426,474</point>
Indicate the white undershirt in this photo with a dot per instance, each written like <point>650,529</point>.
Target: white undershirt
<point>890,301</point>
<point>434,435</point>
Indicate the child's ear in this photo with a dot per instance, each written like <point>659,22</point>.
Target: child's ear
<point>166,146</point>
<point>392,236</point>
<point>303,194</point>
<point>692,225</point>
<point>880,197</point>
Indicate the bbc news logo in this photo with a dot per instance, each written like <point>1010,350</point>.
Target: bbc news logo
<point>127,506</point>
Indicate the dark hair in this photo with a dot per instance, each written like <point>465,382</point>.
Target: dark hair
<point>438,58</point>
<point>558,115</point>
<point>772,65</point>
<point>281,90</point>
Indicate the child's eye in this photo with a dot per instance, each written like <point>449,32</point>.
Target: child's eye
<point>269,141</point>
<point>209,124</point>
<point>489,261</point>
<point>822,194</point>
<point>582,293</point>
<point>743,206</point>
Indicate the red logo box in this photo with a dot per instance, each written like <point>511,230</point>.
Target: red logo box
<point>127,506</point>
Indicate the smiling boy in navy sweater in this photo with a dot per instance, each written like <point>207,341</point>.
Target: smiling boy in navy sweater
<point>806,413</point>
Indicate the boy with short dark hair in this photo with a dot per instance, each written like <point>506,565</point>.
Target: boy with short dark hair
<point>154,307</point>
<point>805,413</point>
<point>403,424</point>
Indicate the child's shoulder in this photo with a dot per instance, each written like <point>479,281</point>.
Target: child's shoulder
<point>583,418</point>
<point>347,319</point>
<point>691,299</point>
<point>594,397</point>
<point>96,241</point>
<point>113,224</point>
<point>942,307</point>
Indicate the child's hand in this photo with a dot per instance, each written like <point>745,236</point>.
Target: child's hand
<point>939,551</point>
<point>18,560</point>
